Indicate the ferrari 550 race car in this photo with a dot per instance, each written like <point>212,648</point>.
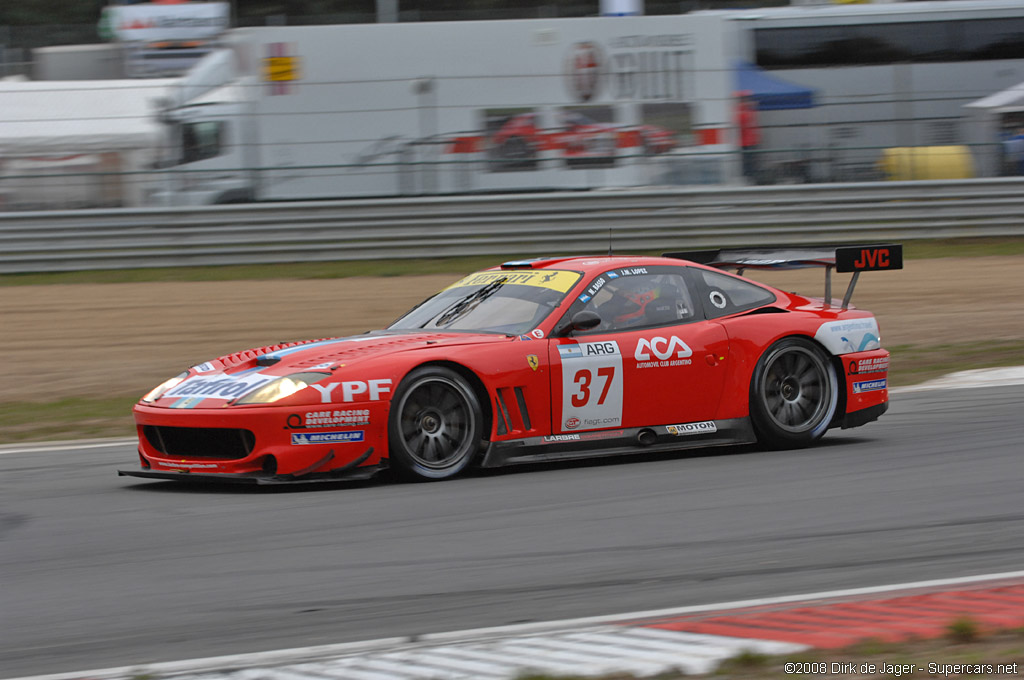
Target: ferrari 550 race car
<point>538,360</point>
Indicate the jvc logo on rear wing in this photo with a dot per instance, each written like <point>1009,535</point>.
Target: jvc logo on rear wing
<point>869,258</point>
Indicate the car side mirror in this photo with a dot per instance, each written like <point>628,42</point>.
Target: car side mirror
<point>585,320</point>
<point>580,321</point>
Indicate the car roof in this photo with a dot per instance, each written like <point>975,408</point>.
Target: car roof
<point>589,263</point>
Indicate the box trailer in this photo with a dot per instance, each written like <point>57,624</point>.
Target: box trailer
<point>307,112</point>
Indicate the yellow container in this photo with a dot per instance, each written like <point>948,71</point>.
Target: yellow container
<point>927,162</point>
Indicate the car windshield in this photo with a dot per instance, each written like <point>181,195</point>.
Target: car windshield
<point>513,302</point>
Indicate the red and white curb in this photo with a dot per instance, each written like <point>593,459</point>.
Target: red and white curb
<point>693,640</point>
<point>587,652</point>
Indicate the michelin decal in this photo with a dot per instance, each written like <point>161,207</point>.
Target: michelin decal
<point>303,438</point>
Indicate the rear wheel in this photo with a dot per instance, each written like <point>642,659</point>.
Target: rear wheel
<point>793,394</point>
<point>435,425</point>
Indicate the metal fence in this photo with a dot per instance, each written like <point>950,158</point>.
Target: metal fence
<point>508,225</point>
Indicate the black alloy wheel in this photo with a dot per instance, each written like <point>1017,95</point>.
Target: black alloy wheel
<point>436,424</point>
<point>793,394</point>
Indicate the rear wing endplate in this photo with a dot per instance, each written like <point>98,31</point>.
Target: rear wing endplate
<point>844,259</point>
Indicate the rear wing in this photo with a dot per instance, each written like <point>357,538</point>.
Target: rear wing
<point>844,259</point>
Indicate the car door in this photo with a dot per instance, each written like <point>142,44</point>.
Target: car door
<point>653,360</point>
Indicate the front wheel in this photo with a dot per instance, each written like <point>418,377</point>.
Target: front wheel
<point>435,426</point>
<point>793,394</point>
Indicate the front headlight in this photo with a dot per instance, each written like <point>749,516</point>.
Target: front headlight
<point>281,388</point>
<point>163,387</point>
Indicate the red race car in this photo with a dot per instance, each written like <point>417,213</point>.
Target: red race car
<point>538,360</point>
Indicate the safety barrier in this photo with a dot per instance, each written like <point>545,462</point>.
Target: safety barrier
<point>506,225</point>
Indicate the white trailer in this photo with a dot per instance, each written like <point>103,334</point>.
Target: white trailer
<point>885,77</point>
<point>430,108</point>
<point>78,144</point>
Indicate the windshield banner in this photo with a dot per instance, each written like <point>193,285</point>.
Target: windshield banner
<point>560,281</point>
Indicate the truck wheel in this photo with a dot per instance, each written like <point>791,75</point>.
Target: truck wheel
<point>435,426</point>
<point>793,394</point>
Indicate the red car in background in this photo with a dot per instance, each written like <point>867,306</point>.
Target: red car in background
<point>537,360</point>
<point>521,137</point>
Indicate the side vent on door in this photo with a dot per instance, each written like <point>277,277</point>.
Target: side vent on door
<point>510,411</point>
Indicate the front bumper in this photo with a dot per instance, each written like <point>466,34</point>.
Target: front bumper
<point>283,443</point>
<point>354,471</point>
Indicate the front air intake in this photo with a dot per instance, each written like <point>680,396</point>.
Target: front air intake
<point>200,442</point>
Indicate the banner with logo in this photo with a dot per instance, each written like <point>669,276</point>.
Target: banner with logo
<point>177,22</point>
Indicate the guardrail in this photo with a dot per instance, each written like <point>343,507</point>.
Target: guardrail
<point>562,223</point>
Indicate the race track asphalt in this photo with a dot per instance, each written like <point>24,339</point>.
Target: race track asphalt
<point>100,571</point>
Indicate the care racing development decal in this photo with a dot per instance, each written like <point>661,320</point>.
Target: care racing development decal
<point>315,419</point>
<point>591,385</point>
<point>875,365</point>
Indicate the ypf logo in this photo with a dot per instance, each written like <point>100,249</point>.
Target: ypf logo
<point>585,70</point>
<point>662,348</point>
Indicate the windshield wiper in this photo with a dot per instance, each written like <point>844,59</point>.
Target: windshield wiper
<point>463,305</point>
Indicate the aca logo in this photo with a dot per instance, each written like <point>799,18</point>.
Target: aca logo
<point>662,348</point>
<point>585,69</point>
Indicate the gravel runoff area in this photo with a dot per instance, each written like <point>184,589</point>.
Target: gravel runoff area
<point>110,339</point>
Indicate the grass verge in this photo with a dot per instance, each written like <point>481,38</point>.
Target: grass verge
<point>69,418</point>
<point>912,364</point>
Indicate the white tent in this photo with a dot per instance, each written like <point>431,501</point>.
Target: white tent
<point>80,116</point>
<point>78,143</point>
<point>985,122</point>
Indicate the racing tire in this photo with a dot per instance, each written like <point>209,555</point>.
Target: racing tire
<point>793,394</point>
<point>435,426</point>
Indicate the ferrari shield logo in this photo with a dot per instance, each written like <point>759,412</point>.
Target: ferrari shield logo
<point>584,71</point>
<point>532,360</point>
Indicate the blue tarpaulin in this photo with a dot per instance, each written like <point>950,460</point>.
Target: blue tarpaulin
<point>771,93</point>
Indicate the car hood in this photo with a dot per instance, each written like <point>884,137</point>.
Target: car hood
<point>222,380</point>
